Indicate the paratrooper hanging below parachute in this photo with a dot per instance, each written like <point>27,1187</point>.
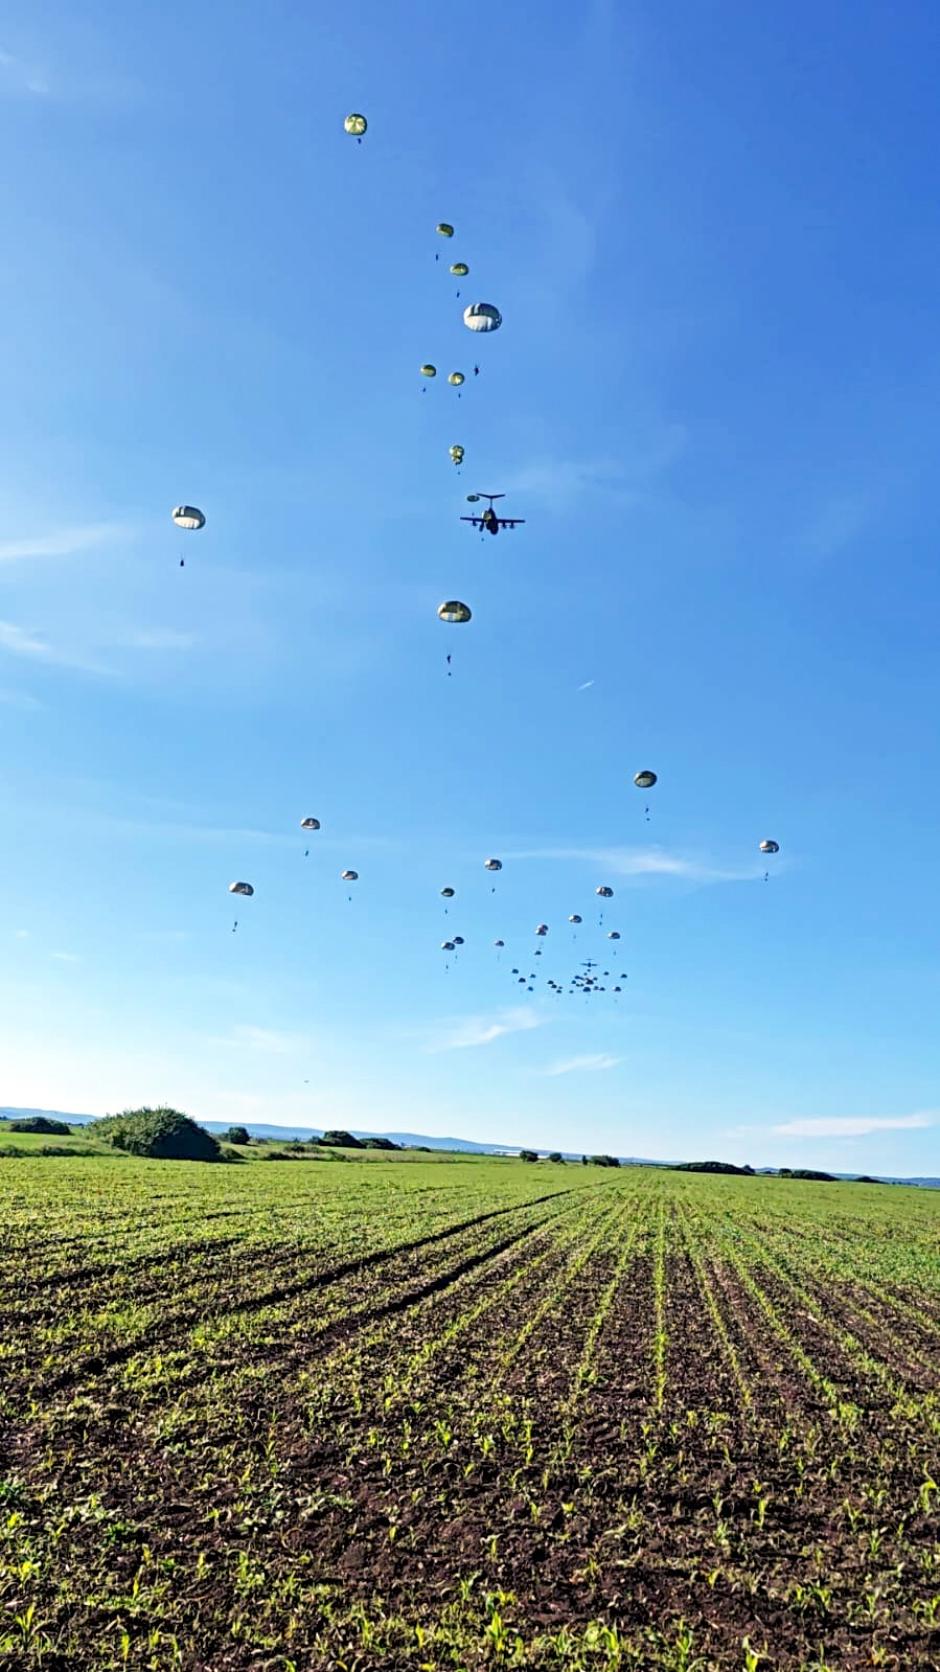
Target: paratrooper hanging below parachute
<point>189,517</point>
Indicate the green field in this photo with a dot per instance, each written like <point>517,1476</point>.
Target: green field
<point>445,1412</point>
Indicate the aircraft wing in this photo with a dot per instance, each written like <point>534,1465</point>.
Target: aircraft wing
<point>476,521</point>
<point>510,522</point>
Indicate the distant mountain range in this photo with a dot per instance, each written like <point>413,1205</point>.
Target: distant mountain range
<point>411,1140</point>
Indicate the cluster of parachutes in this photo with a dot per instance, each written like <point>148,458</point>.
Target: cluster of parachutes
<point>586,979</point>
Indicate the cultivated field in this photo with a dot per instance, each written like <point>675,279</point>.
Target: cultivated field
<point>454,1413</point>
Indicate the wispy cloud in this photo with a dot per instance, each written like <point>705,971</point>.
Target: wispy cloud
<point>268,1040</point>
<point>855,1126</point>
<point>590,1064</point>
<point>19,699</point>
<point>586,686</point>
<point>559,484</point>
<point>159,638</point>
<point>838,523</point>
<point>645,862</point>
<point>19,641</point>
<point>62,542</point>
<point>21,75</point>
<point>66,957</point>
<point>483,1030</point>
<point>21,934</point>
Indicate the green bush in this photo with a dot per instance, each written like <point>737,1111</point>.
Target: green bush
<point>527,1155</point>
<point>604,1161</point>
<point>341,1140</point>
<point>236,1135</point>
<point>162,1134</point>
<point>40,1123</point>
<point>556,1155</point>
<point>379,1143</point>
<point>710,1167</point>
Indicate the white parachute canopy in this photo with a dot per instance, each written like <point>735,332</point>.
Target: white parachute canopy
<point>240,888</point>
<point>482,316</point>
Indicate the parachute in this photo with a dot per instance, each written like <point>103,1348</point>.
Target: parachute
<point>574,918</point>
<point>542,929</point>
<point>310,824</point>
<point>613,934</point>
<point>456,378</point>
<point>458,940</point>
<point>769,846</point>
<point>460,269</point>
<point>428,370</point>
<point>456,453</point>
<point>240,888</point>
<point>492,864</point>
<point>482,316</point>
<point>349,876</point>
<point>473,499</point>
<point>447,893</point>
<point>604,892</point>
<point>454,611</point>
<point>356,125</point>
<point>499,943</point>
<point>448,946</point>
<point>188,516</point>
<point>445,229</point>
<point>645,780</point>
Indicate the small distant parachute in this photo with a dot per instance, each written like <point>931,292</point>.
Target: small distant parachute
<point>613,934</point>
<point>499,943</point>
<point>349,876</point>
<point>574,918</point>
<point>428,370</point>
<point>768,845</point>
<point>604,892</point>
<point>456,453</point>
<point>188,516</point>
<point>456,378</point>
<point>454,611</point>
<point>473,499</point>
<point>482,316</point>
<point>542,929</point>
<point>645,780</point>
<point>447,893</point>
<point>492,864</point>
<point>310,824</point>
<point>460,269</point>
<point>445,229</point>
<point>356,125</point>
<point>448,946</point>
<point>240,888</point>
<point>458,940</point>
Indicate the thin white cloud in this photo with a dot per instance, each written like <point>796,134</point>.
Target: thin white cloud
<point>483,1030</point>
<point>18,641</point>
<point>21,643</point>
<point>159,638</point>
<point>586,686</point>
<point>66,957</point>
<point>268,1040</point>
<point>838,523</point>
<point>855,1126</point>
<point>63,542</point>
<point>20,74</point>
<point>645,862</point>
<point>19,699</point>
<point>21,934</point>
<point>590,1064</point>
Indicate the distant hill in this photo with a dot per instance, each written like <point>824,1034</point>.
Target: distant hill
<point>414,1140</point>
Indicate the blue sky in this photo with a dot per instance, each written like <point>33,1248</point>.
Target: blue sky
<point>713,232</point>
